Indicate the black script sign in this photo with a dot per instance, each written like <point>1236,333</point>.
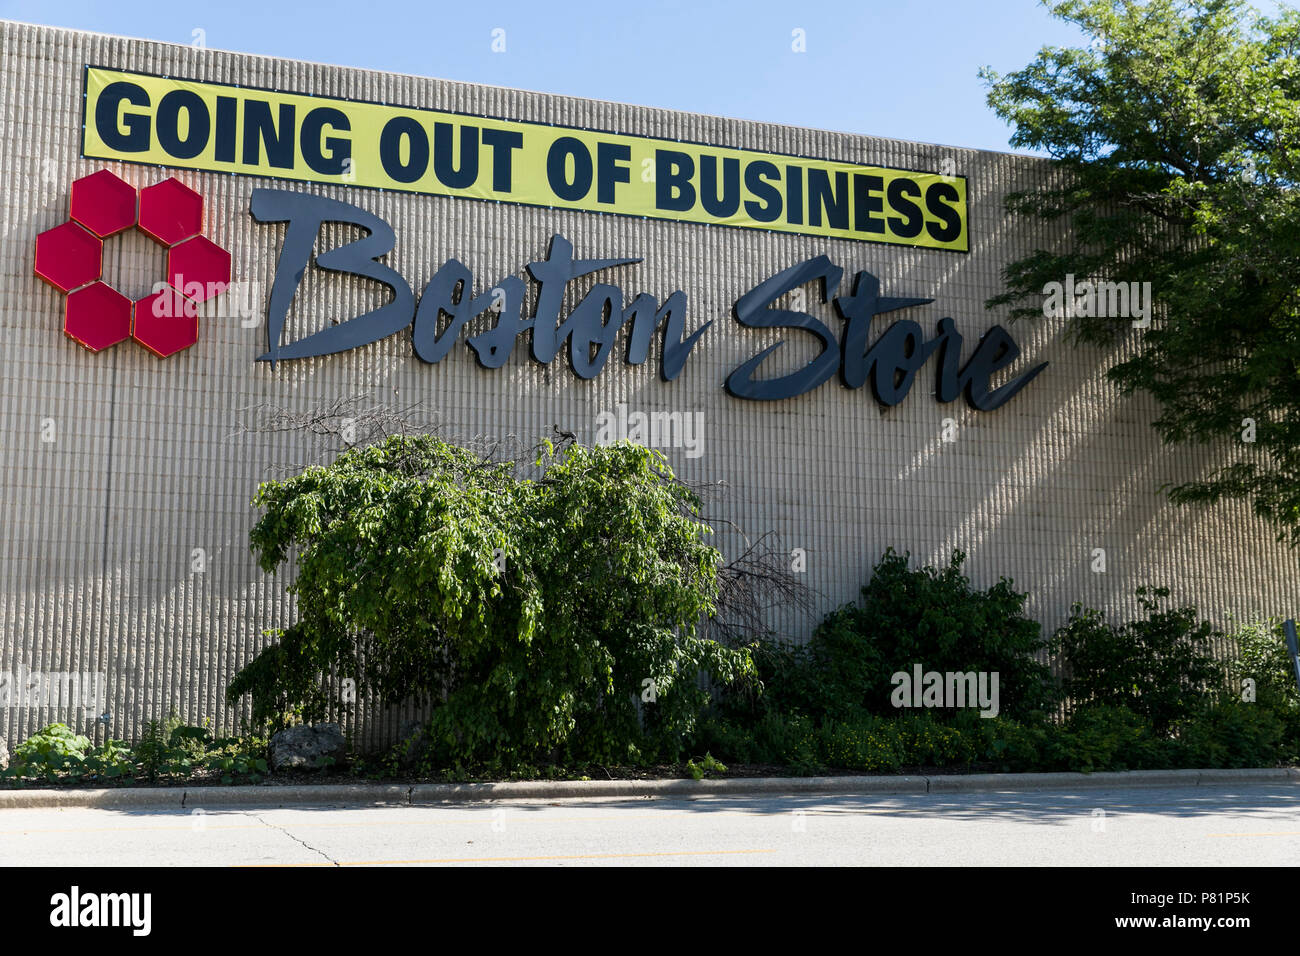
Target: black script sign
<point>590,330</point>
<point>892,361</point>
<point>593,324</point>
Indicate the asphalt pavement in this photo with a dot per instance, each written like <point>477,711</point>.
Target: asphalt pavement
<point>1241,824</point>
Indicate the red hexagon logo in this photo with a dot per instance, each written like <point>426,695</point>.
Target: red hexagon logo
<point>165,322</point>
<point>199,268</point>
<point>97,316</point>
<point>170,211</point>
<point>103,203</point>
<point>70,258</point>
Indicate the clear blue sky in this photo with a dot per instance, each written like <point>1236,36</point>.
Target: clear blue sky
<point>903,69</point>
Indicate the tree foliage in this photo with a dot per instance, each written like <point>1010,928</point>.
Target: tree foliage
<point>1177,134</point>
<point>1159,667</point>
<point>927,616</point>
<point>533,613</point>
<point>1263,658</point>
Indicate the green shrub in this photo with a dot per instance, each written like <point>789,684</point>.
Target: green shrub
<point>732,741</point>
<point>111,760</point>
<point>236,758</point>
<point>166,749</point>
<point>707,764</point>
<point>1262,657</point>
<point>50,753</point>
<point>1103,737</point>
<point>1233,733</point>
<point>1015,747</point>
<point>1096,737</point>
<point>784,683</point>
<point>1157,666</point>
<point>789,740</point>
<point>927,616</point>
<point>56,752</point>
<point>927,741</point>
<point>170,748</point>
<point>543,618</point>
<point>869,745</point>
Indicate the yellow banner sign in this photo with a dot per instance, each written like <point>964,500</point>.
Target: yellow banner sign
<point>137,117</point>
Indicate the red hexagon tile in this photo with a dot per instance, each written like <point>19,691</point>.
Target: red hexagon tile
<point>165,322</point>
<point>68,256</point>
<point>103,203</point>
<point>199,268</point>
<point>97,317</point>
<point>170,211</point>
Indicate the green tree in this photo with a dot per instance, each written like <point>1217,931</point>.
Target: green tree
<point>535,614</point>
<point>1177,137</point>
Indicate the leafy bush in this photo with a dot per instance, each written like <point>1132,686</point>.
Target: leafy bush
<point>50,753</point>
<point>707,764</point>
<point>533,614</point>
<point>1233,733</point>
<point>930,742</point>
<point>1142,693</point>
<point>785,684</point>
<point>771,738</point>
<point>56,752</point>
<point>167,749</point>
<point>926,616</point>
<point>170,748</point>
<point>111,760</point>
<point>1096,737</point>
<point>1262,656</point>
<point>236,758</point>
<point>870,745</point>
<point>1015,747</point>
<point>1104,737</point>
<point>1156,666</point>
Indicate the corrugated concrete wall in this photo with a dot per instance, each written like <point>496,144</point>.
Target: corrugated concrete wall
<point>151,460</point>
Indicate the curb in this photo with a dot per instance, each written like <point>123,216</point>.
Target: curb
<point>426,794</point>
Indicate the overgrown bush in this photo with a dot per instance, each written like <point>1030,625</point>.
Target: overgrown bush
<point>908,616</point>
<point>870,745</point>
<point>173,749</point>
<point>1107,737</point>
<point>1157,666</point>
<point>1096,737</point>
<point>167,750</point>
<point>1143,695</point>
<point>1262,657</point>
<point>873,744</point>
<point>542,618</point>
<point>49,753</point>
<point>1232,733</point>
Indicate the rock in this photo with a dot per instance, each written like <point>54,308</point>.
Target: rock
<point>308,747</point>
<point>414,743</point>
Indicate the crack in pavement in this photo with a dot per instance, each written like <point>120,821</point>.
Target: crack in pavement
<point>303,843</point>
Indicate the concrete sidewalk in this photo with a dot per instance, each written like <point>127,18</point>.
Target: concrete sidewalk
<point>420,794</point>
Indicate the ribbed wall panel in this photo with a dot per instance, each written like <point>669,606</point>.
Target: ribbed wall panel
<point>153,458</point>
